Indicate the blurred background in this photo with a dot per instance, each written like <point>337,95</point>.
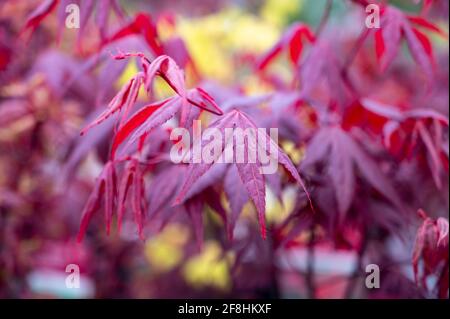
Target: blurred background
<point>52,79</point>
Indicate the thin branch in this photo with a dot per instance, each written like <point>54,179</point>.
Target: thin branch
<point>310,284</point>
<point>325,17</point>
<point>358,268</point>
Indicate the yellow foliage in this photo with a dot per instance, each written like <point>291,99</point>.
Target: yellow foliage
<point>165,251</point>
<point>213,39</point>
<point>276,211</point>
<point>278,12</point>
<point>209,268</point>
<point>296,154</point>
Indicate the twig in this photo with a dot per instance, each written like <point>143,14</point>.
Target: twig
<point>325,17</point>
<point>358,267</point>
<point>310,267</point>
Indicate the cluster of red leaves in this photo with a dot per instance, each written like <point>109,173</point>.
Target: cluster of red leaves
<point>333,151</point>
<point>140,124</point>
<point>431,248</point>
<point>103,9</point>
<point>397,25</point>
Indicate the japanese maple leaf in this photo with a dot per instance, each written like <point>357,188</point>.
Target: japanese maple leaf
<point>237,197</point>
<point>292,40</point>
<point>115,194</point>
<point>166,68</point>
<point>394,26</point>
<point>87,7</point>
<point>422,132</point>
<point>149,117</point>
<point>344,159</point>
<point>431,247</point>
<point>124,100</point>
<point>370,115</point>
<point>132,181</point>
<point>142,24</point>
<point>404,133</point>
<point>105,188</point>
<point>102,8</point>
<point>322,68</point>
<point>249,173</point>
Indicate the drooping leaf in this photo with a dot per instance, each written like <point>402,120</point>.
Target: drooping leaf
<point>134,122</point>
<point>249,171</point>
<point>142,24</point>
<point>344,158</point>
<point>105,188</point>
<point>395,25</point>
<point>291,40</point>
<point>237,197</point>
<point>158,117</point>
<point>123,100</point>
<point>132,181</point>
<point>167,68</point>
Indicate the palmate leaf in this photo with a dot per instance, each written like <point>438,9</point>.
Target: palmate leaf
<point>394,26</point>
<point>344,158</point>
<point>249,173</point>
<point>138,119</point>
<point>149,117</point>
<point>115,194</point>
<point>165,67</point>
<point>102,7</point>
<point>292,40</point>
<point>404,133</point>
<point>142,24</point>
<point>423,131</point>
<point>140,124</point>
<point>323,66</point>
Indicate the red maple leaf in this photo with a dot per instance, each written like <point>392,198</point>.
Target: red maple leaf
<point>291,40</point>
<point>394,26</point>
<point>249,173</point>
<point>431,247</point>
